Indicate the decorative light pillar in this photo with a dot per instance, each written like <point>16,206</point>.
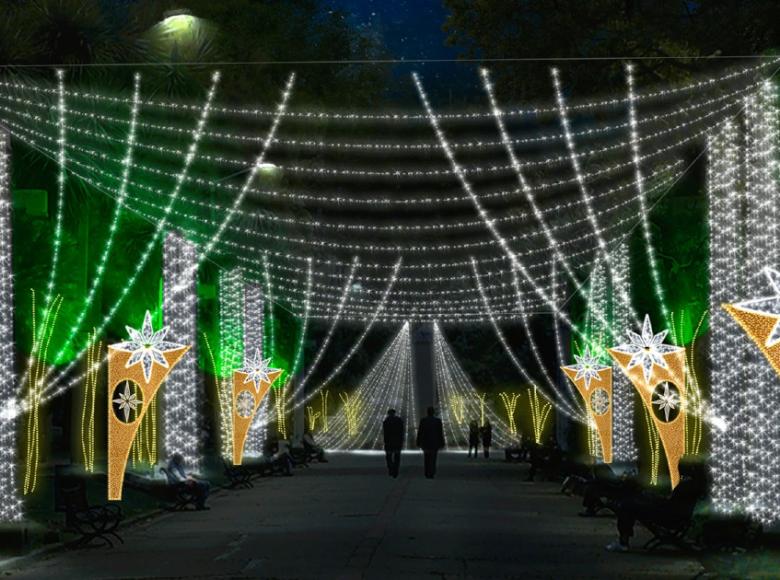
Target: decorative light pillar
<point>231,349</point>
<point>10,504</point>
<point>183,394</point>
<point>254,321</point>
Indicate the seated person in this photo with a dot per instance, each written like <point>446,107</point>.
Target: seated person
<point>277,453</point>
<point>311,447</point>
<point>655,508</point>
<point>199,487</point>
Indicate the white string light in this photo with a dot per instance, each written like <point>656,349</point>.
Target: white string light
<point>231,349</point>
<point>643,209</point>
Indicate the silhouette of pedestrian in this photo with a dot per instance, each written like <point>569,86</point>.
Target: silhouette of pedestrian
<point>487,438</point>
<point>430,438</point>
<point>474,437</point>
<point>393,431</point>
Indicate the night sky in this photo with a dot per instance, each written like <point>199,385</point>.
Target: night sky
<point>412,29</point>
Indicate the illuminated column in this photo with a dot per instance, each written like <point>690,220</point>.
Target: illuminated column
<point>623,443</point>
<point>763,384</point>
<point>254,320</point>
<point>728,398</point>
<point>183,391</point>
<point>10,504</point>
<point>231,348</point>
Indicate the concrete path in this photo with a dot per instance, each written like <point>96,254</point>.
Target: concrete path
<point>347,519</point>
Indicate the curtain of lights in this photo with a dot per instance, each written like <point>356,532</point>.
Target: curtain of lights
<point>254,321</point>
<point>389,384</point>
<point>231,348</point>
<point>745,392</point>
<point>182,392</point>
<point>623,444</point>
<point>459,401</point>
<point>10,504</point>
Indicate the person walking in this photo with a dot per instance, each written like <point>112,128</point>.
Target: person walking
<point>474,438</point>
<point>487,438</point>
<point>393,431</point>
<point>430,438</point>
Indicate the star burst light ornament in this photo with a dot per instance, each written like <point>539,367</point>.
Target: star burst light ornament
<point>246,402</point>
<point>657,371</point>
<point>257,370</point>
<point>587,367</point>
<point>589,374</point>
<point>136,370</point>
<point>647,349</point>
<point>147,346</point>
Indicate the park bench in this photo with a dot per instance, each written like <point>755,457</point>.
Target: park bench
<point>238,476</point>
<point>179,494</point>
<point>90,523</point>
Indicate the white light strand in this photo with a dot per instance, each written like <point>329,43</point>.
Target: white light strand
<point>644,211</point>
<point>183,392</point>
<point>61,179</point>
<point>10,502</point>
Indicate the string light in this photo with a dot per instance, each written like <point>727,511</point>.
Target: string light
<point>61,178</point>
<point>10,503</point>
<point>643,209</point>
<point>183,389</point>
<point>694,87</point>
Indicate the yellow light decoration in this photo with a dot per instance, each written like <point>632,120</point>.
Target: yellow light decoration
<point>540,411</point>
<point>510,404</point>
<point>324,394</point>
<point>658,373</point>
<point>597,394</point>
<point>134,363</point>
<point>458,406</point>
<point>246,402</point>
<point>312,416</point>
<point>759,327</point>
<point>352,406</point>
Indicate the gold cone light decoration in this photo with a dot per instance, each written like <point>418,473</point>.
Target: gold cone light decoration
<point>657,372</point>
<point>594,383</point>
<point>136,369</point>
<point>760,319</point>
<point>250,386</point>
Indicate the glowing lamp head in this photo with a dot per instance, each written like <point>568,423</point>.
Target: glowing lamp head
<point>175,21</point>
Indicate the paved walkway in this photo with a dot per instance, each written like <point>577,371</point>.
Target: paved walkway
<point>347,519</point>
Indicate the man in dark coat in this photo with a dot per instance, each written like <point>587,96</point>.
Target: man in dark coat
<point>430,438</point>
<point>393,430</point>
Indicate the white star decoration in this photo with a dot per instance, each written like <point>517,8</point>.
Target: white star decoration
<point>147,346</point>
<point>667,401</point>
<point>587,367</point>
<point>127,401</point>
<point>257,370</point>
<point>768,305</point>
<point>647,349</point>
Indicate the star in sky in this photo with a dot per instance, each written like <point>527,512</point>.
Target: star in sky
<point>147,346</point>
<point>647,349</point>
<point>769,305</point>
<point>587,367</point>
<point>257,370</point>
